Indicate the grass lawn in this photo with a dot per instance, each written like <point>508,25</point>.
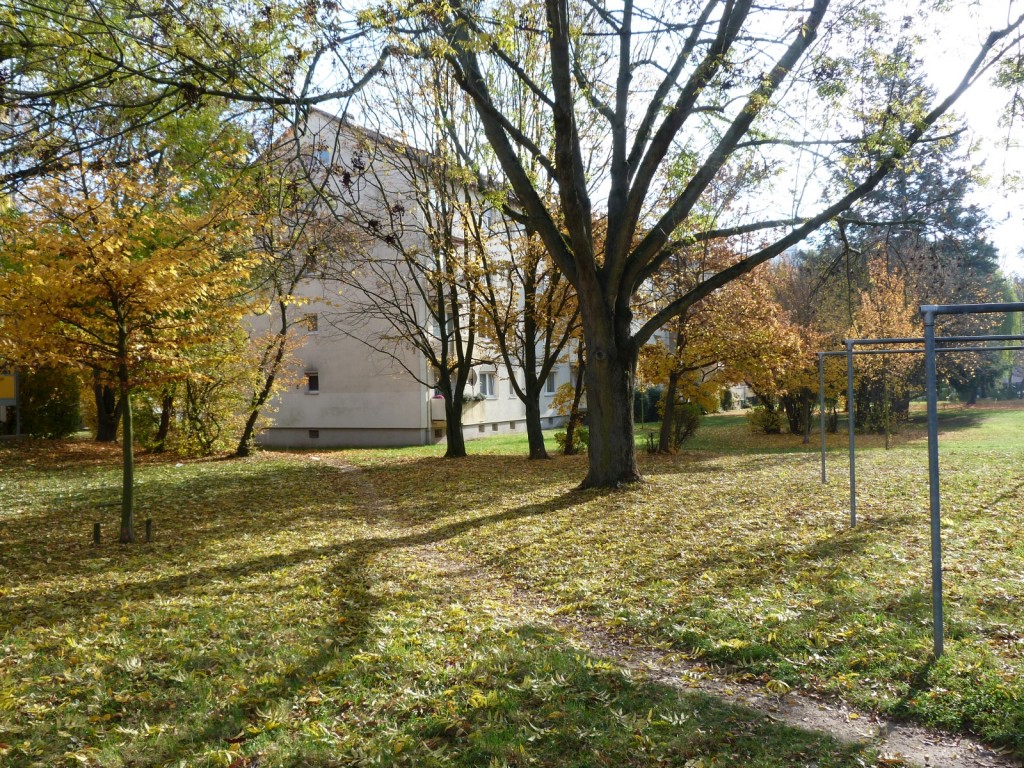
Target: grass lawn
<point>294,612</point>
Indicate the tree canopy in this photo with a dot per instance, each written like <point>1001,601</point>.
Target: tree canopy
<point>729,85</point>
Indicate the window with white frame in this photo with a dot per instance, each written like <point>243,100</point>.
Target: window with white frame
<point>550,384</point>
<point>488,385</point>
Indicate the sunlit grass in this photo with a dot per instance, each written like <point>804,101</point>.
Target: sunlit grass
<point>289,609</point>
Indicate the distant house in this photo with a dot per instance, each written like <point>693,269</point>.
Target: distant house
<point>349,394</point>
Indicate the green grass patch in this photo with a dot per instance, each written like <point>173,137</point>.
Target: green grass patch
<point>287,613</point>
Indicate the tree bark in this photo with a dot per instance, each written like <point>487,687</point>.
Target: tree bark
<point>534,429</point>
<point>166,409</point>
<point>808,405</point>
<point>127,468</point>
<point>610,383</point>
<point>453,427</point>
<point>106,410</point>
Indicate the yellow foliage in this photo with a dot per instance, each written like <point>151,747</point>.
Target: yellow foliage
<point>123,278</point>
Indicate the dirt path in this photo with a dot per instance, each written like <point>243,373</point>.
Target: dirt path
<point>897,743</point>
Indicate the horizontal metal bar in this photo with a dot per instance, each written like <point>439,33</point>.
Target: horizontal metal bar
<point>905,351</point>
<point>939,340</point>
<point>970,309</point>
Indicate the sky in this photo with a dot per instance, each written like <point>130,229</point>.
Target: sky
<point>951,38</point>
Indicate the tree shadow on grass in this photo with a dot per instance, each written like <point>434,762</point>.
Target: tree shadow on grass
<point>176,545</point>
<point>406,673</point>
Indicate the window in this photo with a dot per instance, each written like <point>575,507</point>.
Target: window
<point>312,383</point>
<point>314,433</point>
<point>324,156</point>
<point>511,425</point>
<point>550,385</point>
<point>311,321</point>
<point>494,427</point>
<point>488,385</point>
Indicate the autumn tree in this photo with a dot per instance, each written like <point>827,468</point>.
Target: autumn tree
<point>736,334</point>
<point>720,78</point>
<point>531,313</point>
<point>883,381</point>
<point>121,276</point>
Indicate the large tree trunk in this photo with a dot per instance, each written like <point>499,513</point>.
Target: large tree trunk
<point>610,382</point>
<point>669,416</point>
<point>106,410</point>
<point>534,430</point>
<point>453,427</point>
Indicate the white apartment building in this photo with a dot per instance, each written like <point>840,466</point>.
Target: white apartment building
<point>350,395</point>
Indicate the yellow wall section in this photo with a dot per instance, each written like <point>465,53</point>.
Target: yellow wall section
<point>6,387</point>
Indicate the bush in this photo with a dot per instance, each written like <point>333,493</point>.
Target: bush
<point>580,439</point>
<point>686,421</point>
<point>762,419</point>
<point>49,399</point>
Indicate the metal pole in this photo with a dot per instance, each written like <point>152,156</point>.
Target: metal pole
<point>850,416</point>
<point>933,478</point>
<point>821,411</point>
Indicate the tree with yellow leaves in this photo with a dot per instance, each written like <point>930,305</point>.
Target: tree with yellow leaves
<point>125,276</point>
<point>883,381</point>
<point>738,333</point>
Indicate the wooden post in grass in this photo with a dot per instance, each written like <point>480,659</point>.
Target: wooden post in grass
<point>96,534</point>
<point>149,529</point>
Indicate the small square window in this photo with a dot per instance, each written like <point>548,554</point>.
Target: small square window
<point>511,425</point>
<point>480,428</point>
<point>314,433</point>
<point>494,427</point>
<point>312,383</point>
<point>438,433</point>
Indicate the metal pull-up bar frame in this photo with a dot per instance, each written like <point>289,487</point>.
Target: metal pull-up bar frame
<point>929,313</point>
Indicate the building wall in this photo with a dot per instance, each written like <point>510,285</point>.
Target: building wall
<point>364,398</point>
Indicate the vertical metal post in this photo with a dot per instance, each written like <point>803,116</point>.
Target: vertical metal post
<point>821,411</point>
<point>933,479</point>
<point>850,416</point>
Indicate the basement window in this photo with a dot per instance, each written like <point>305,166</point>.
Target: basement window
<point>314,434</point>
